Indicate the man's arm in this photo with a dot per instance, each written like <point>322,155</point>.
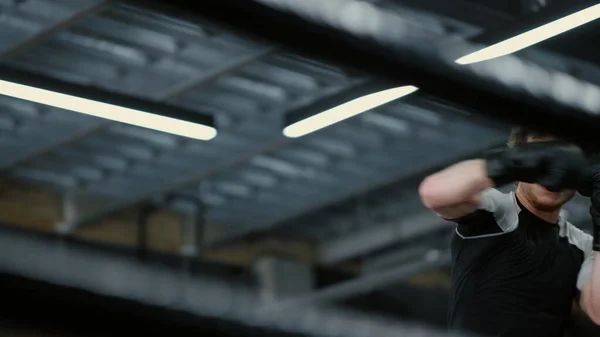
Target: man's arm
<point>589,276</point>
<point>454,192</point>
<point>589,300</point>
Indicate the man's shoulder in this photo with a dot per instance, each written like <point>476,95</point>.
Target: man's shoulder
<point>494,200</point>
<point>498,214</point>
<point>576,236</point>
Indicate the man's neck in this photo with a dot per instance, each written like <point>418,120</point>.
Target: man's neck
<point>551,217</point>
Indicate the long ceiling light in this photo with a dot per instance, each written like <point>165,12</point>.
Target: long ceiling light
<point>105,105</point>
<point>533,36</point>
<point>345,111</point>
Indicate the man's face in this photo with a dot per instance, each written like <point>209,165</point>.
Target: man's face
<point>545,200</point>
<point>540,197</point>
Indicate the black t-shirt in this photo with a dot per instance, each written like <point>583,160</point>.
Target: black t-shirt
<point>514,274</point>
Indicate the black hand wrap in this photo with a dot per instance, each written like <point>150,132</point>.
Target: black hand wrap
<point>502,167</point>
<point>586,188</point>
<point>555,165</point>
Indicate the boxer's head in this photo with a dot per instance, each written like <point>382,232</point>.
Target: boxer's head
<point>536,195</point>
<point>520,135</point>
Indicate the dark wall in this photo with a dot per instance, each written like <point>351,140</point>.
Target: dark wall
<point>429,305</point>
<point>423,305</point>
<point>32,308</point>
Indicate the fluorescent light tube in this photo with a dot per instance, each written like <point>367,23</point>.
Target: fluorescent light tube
<point>108,111</point>
<point>533,36</point>
<point>345,111</point>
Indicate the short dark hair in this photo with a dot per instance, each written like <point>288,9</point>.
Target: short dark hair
<point>519,135</point>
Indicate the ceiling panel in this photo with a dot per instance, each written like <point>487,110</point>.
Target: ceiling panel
<point>250,176</point>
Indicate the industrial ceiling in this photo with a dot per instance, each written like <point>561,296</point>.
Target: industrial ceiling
<point>349,189</point>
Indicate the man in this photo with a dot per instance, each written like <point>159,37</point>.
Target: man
<point>517,265</point>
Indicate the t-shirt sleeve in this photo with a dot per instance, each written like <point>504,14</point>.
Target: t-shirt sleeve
<point>584,242</point>
<point>585,273</point>
<point>478,234</point>
<point>498,214</point>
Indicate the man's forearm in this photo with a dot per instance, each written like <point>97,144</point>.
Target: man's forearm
<point>590,301</point>
<point>591,290</point>
<point>455,185</point>
<point>554,165</point>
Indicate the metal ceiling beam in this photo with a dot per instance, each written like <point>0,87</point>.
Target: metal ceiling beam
<point>381,236</point>
<point>402,254</point>
<point>483,16</point>
<point>500,31</point>
<point>198,81</point>
<point>388,48</point>
<point>192,178</point>
<point>461,10</point>
<point>49,32</point>
<point>366,283</point>
<point>37,40</point>
<point>164,96</point>
<point>195,177</point>
<point>20,158</point>
<point>498,26</point>
<point>416,175</point>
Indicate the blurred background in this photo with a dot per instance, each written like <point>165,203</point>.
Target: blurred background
<point>331,218</point>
